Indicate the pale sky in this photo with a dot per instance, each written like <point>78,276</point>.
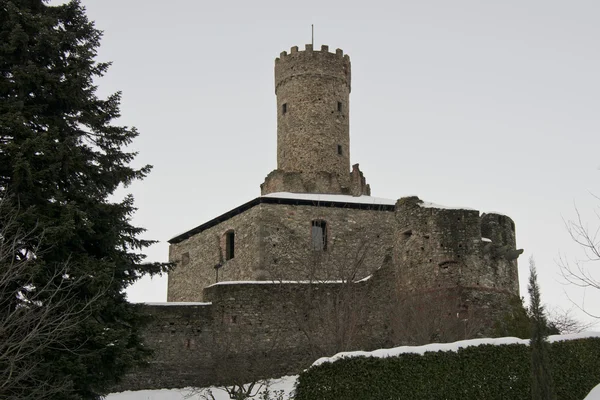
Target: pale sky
<point>492,105</point>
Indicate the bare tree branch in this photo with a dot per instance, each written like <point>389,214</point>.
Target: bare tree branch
<point>33,319</point>
<point>582,273</point>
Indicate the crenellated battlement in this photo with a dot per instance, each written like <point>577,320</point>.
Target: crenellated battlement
<point>339,53</point>
<point>312,62</point>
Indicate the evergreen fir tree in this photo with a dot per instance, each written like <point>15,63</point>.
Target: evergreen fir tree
<point>516,321</point>
<point>542,384</point>
<point>61,158</point>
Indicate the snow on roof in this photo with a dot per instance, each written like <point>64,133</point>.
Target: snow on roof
<point>342,198</point>
<point>179,303</point>
<point>434,347</point>
<point>336,198</point>
<point>333,200</point>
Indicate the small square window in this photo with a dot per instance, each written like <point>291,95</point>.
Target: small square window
<point>284,108</point>
<point>185,259</point>
<point>340,107</point>
<point>340,152</point>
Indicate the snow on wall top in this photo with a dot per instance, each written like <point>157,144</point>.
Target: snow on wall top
<point>426,204</point>
<point>179,303</point>
<point>342,198</point>
<point>434,347</point>
<point>267,282</point>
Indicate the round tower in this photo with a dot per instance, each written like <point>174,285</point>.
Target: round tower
<point>313,132</point>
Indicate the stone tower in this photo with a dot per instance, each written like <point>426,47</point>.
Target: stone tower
<point>313,128</point>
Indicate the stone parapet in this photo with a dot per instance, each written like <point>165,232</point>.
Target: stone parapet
<point>316,182</point>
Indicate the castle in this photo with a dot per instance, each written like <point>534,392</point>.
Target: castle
<point>315,265</point>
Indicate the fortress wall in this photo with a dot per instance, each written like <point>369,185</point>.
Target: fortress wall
<point>206,249</point>
<point>178,335</point>
<point>501,253</point>
<point>251,331</point>
<point>435,247</point>
<point>438,248</point>
<point>356,242</point>
<point>265,329</point>
<point>444,263</point>
<point>268,329</point>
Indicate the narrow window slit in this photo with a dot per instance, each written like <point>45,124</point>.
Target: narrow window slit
<point>229,245</point>
<point>319,235</point>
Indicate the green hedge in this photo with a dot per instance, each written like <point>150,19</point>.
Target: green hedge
<point>485,372</point>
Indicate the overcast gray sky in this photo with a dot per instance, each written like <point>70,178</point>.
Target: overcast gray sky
<point>492,105</point>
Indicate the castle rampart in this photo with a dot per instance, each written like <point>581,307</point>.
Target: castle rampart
<point>315,265</point>
<point>439,249</point>
<point>278,326</point>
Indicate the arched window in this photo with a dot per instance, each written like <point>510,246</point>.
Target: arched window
<point>319,235</point>
<point>229,245</point>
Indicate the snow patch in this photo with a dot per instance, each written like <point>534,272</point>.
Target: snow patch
<point>426,204</point>
<point>497,213</point>
<point>434,347</point>
<point>287,384</point>
<point>268,282</point>
<point>179,303</point>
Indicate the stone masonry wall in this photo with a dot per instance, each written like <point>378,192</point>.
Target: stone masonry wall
<point>451,258</point>
<point>206,250</point>
<point>251,331</point>
<point>356,242</point>
<point>445,263</point>
<point>273,242</point>
<point>438,247</point>
<point>178,335</point>
<point>313,133</point>
<point>318,182</point>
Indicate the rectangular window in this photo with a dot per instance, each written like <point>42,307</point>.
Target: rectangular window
<point>340,149</point>
<point>340,106</point>
<point>284,108</point>
<point>319,235</point>
<point>229,245</point>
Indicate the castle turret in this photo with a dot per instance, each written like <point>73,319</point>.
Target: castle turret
<point>313,129</point>
<point>456,257</point>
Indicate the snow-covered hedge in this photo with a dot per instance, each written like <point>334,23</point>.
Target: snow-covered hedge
<point>466,370</point>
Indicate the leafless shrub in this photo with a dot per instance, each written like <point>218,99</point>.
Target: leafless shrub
<point>34,318</point>
<point>583,272</point>
<point>433,318</point>
<point>565,322</point>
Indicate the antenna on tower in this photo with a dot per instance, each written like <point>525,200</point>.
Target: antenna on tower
<point>312,28</point>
